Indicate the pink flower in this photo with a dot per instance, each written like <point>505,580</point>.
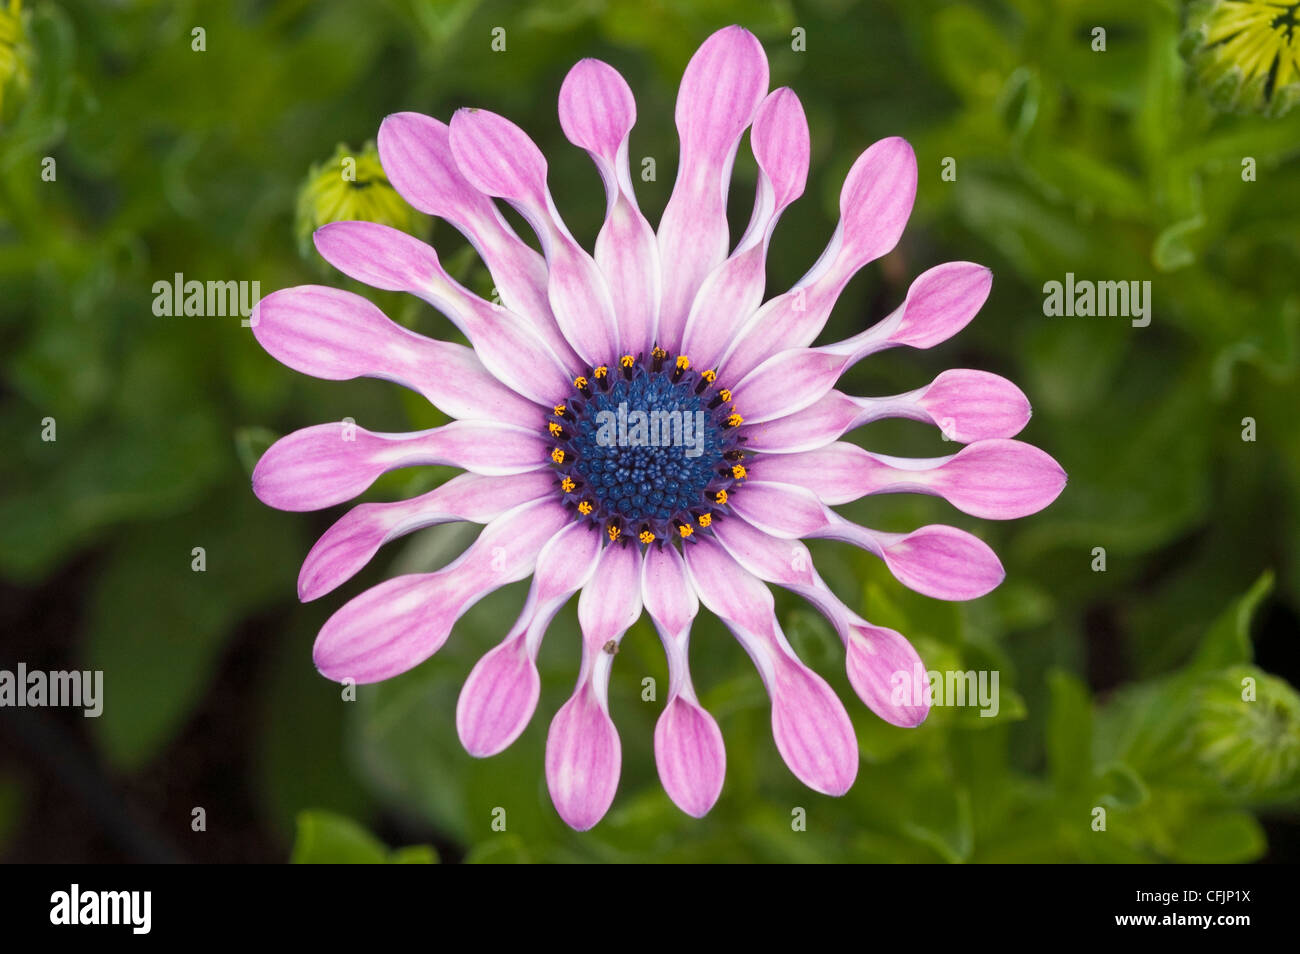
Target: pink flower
<point>638,425</point>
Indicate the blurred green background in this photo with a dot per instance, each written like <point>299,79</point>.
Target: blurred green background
<point>1121,688</point>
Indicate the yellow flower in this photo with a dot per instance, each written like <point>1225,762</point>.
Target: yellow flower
<point>1246,53</point>
<point>352,186</point>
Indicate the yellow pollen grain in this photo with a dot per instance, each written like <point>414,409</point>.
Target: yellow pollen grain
<point>646,537</point>
<point>720,497</point>
<point>600,372</point>
<point>704,519</point>
<point>659,353</point>
<point>724,394</point>
<point>557,455</point>
<point>559,410</point>
<point>584,508</point>
<point>554,428</point>
<point>612,530</point>
<point>709,376</point>
<point>580,382</point>
<point>627,361</point>
<point>683,362</point>
<point>735,420</point>
<point>738,472</point>
<point>567,485</point>
<point>685,529</point>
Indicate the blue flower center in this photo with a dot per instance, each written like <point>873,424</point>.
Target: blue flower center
<point>647,449</point>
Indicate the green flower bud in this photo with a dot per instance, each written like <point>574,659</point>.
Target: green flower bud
<point>351,186</point>
<point>1247,731</point>
<point>15,54</point>
<point>1246,53</point>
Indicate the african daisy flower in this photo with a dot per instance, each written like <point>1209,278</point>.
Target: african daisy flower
<point>552,406</point>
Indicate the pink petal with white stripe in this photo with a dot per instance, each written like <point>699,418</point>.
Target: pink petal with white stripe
<point>884,669</point>
<point>336,335</point>
<point>965,405</point>
<point>938,561</point>
<point>500,695</point>
<point>998,479</point>
<point>973,405</point>
<point>875,203</point>
<point>871,650</point>
<point>670,601</point>
<point>994,479</point>
<point>597,112</point>
<point>721,89</point>
<point>811,728</point>
<point>324,465</point>
<point>415,151</point>
<point>733,290</point>
<point>689,750</point>
<point>948,297</point>
<point>611,600</point>
<point>498,699</point>
<point>582,749</point>
<point>583,760</point>
<point>939,303</point>
<point>350,543</point>
<point>498,158</point>
<point>690,756</point>
<point>402,622</point>
<point>509,347</point>
<point>787,382</point>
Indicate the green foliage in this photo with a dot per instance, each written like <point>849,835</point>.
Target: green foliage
<point>1112,165</point>
<point>328,839</point>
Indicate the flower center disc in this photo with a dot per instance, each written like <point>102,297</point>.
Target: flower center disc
<point>648,448</point>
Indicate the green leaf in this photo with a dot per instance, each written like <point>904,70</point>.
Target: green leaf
<point>414,855</point>
<point>328,839</point>
<point>1225,838</point>
<point>325,838</point>
<point>302,759</point>
<point>941,819</point>
<point>1121,787</point>
<point>972,52</point>
<point>1172,249</point>
<point>157,625</point>
<point>1069,735</point>
<point>251,443</point>
<point>505,849</point>
<point>1228,640</point>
